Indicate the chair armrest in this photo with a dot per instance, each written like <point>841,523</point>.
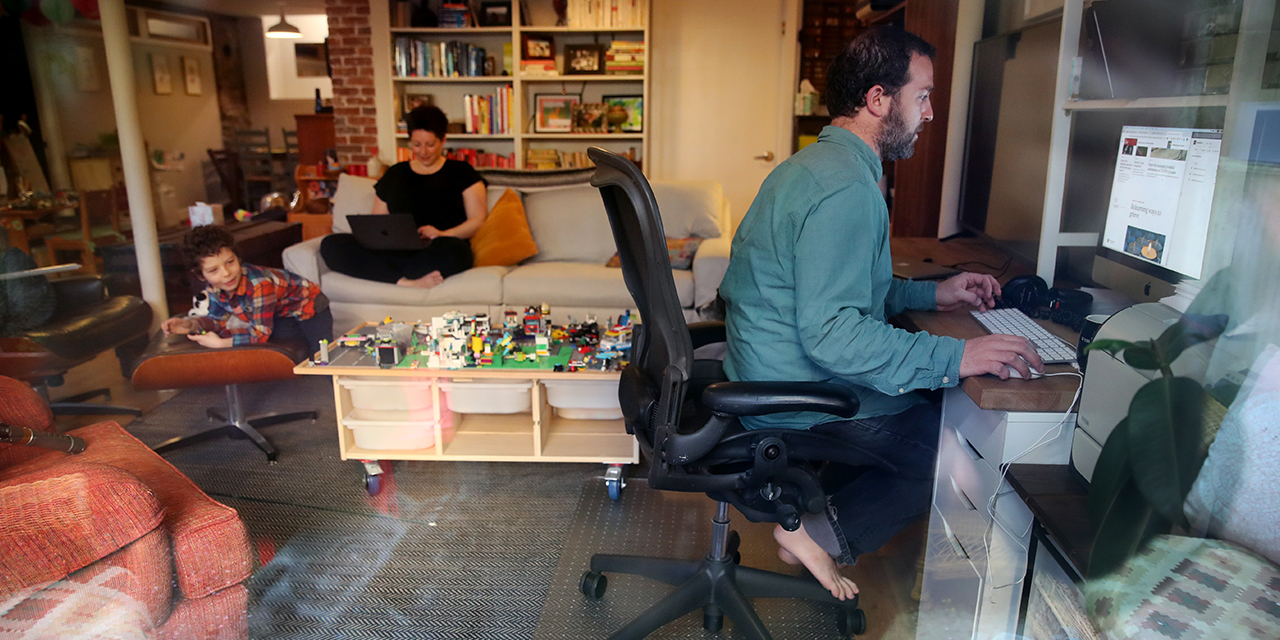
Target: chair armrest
<point>710,262</point>
<point>78,292</point>
<point>304,259</point>
<point>66,517</point>
<point>759,398</point>
<point>707,332</point>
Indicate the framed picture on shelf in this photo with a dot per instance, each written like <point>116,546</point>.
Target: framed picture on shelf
<point>589,117</point>
<point>537,47</point>
<point>553,112</point>
<point>415,100</point>
<point>495,13</point>
<point>634,106</point>
<point>581,59</point>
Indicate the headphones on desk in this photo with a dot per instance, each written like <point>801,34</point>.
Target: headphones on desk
<point>1032,296</point>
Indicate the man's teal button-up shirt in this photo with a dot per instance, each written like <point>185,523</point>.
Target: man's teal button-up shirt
<point>810,284</point>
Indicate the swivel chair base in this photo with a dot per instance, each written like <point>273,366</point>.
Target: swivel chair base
<point>237,425</point>
<point>76,406</point>
<point>716,584</point>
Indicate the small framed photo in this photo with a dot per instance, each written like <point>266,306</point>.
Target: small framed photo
<point>554,112</point>
<point>580,59</point>
<point>160,75</point>
<point>415,100</point>
<point>589,117</point>
<point>534,47</point>
<point>495,13</point>
<point>191,76</point>
<point>635,111</point>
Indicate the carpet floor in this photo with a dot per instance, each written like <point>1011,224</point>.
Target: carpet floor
<point>455,550</point>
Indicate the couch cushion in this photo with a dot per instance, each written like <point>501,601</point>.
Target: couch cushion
<point>578,285</point>
<point>504,238</point>
<point>569,225</point>
<point>210,544</point>
<point>690,208</point>
<point>354,195</point>
<point>481,285</point>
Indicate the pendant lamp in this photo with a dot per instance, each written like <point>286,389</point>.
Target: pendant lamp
<point>283,29</point>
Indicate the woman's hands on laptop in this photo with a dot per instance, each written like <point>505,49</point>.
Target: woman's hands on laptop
<point>428,232</point>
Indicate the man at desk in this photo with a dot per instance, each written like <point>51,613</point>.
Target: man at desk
<point>809,288</point>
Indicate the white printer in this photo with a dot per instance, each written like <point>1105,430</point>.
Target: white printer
<point>1110,383</point>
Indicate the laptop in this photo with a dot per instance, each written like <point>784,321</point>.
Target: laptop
<point>386,232</point>
<point>910,269</point>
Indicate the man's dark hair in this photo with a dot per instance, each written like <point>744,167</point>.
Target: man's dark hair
<point>427,118</point>
<point>206,241</point>
<point>878,56</point>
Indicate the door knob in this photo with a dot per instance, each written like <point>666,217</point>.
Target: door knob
<point>766,156</point>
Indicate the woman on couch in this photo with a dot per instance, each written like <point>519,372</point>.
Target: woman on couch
<point>446,199</point>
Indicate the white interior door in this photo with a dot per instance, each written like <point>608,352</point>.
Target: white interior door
<point>723,78</point>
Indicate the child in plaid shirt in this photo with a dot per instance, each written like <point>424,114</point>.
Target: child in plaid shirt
<point>249,304</point>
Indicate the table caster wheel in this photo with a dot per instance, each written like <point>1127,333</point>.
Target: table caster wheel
<point>592,585</point>
<point>614,487</point>
<point>851,622</point>
<point>373,484</point>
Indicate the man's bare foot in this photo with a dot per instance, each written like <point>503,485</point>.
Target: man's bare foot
<point>425,282</point>
<point>800,547</point>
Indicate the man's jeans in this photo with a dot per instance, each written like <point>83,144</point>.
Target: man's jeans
<point>867,506</point>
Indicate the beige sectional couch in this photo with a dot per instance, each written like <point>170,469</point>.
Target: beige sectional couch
<point>574,241</point>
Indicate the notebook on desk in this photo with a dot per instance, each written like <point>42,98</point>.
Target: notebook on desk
<point>911,269</point>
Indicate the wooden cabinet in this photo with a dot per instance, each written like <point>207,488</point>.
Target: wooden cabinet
<point>315,134</point>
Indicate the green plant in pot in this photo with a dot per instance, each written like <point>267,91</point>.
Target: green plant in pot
<point>1153,456</point>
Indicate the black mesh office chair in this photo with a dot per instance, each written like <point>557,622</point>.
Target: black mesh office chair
<point>686,420</point>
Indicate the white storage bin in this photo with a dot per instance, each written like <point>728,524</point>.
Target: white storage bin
<point>584,399</point>
<point>381,394</point>
<point>409,430</point>
<point>488,397</point>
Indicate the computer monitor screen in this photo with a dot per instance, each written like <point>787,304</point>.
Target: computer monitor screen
<point>1161,196</point>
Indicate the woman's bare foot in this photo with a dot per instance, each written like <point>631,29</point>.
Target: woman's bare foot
<point>798,546</point>
<point>425,282</point>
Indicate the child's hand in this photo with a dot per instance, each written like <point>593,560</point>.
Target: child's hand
<point>179,326</point>
<point>209,340</point>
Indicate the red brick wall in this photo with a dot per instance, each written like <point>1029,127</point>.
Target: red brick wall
<point>351,55</point>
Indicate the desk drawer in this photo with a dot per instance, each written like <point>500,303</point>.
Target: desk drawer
<point>979,481</point>
<point>1007,436</point>
<point>951,586</point>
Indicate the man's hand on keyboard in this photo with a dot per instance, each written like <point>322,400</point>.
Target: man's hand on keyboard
<point>997,352</point>
<point>967,290</point>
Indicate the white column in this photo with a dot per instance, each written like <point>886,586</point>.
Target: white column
<point>133,155</point>
<point>55,151</point>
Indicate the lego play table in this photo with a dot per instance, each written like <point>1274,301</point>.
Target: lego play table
<point>540,434</point>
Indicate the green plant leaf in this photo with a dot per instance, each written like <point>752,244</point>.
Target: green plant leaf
<point>1112,347</point>
<point>1128,524</point>
<point>1167,443</point>
<point>1111,472</point>
<point>1189,331</point>
<point>1143,356</point>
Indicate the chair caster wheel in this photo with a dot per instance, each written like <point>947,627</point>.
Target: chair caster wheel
<point>851,622</point>
<point>592,585</point>
<point>712,622</point>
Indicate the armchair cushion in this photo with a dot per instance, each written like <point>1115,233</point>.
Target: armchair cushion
<point>94,328</point>
<point>61,518</point>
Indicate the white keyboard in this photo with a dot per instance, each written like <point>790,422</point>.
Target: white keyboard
<point>1052,349</point>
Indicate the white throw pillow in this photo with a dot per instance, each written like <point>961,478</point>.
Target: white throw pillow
<point>355,195</point>
<point>689,209</point>
<point>1235,497</point>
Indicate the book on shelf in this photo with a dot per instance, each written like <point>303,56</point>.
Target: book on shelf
<point>624,57</point>
<point>414,58</point>
<point>608,14</point>
<point>538,67</point>
<point>488,114</point>
<point>546,159</point>
<point>475,157</point>
<point>456,15</point>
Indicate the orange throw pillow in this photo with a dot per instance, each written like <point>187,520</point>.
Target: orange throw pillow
<point>504,239</point>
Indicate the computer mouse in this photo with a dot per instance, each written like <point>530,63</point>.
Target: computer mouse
<point>1013,373</point>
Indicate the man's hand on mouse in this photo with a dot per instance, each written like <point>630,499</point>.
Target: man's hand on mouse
<point>967,290</point>
<point>996,354</point>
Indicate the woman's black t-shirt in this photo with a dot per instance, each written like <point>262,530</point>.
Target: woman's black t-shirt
<point>434,199</point>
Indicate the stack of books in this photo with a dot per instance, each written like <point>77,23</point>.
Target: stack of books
<point>489,114</point>
<point>538,67</point>
<point>455,15</point>
<point>419,58</point>
<point>541,159</point>
<point>608,14</point>
<point>624,58</point>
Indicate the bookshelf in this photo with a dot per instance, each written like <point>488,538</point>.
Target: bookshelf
<point>506,88</point>
<point>1221,58</point>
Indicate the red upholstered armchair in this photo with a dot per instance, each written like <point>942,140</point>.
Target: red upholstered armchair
<point>113,542</point>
